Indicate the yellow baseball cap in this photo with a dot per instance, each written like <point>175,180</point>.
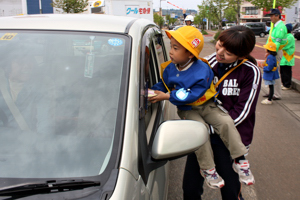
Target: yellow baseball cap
<point>190,38</point>
<point>270,46</point>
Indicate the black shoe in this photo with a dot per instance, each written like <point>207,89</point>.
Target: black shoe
<point>274,98</point>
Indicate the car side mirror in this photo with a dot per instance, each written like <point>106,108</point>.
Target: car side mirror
<point>176,138</point>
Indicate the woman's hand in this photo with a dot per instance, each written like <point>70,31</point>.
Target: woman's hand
<point>159,97</point>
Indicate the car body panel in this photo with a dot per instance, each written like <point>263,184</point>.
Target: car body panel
<point>67,22</point>
<point>130,171</point>
<point>259,28</point>
<point>296,33</point>
<point>228,25</point>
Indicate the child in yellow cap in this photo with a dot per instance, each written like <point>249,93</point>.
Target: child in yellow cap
<point>187,82</point>
<point>270,70</point>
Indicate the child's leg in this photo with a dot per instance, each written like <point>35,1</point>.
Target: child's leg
<point>271,92</point>
<point>204,153</point>
<point>224,126</point>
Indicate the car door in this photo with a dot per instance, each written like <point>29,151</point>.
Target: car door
<point>255,28</point>
<point>154,174</point>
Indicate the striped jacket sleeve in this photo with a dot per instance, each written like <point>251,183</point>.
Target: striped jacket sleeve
<point>249,91</point>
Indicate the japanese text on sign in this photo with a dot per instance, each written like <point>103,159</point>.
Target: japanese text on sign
<point>138,10</point>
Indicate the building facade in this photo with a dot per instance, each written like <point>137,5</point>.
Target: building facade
<point>293,13</point>
<point>249,13</point>
<point>19,7</point>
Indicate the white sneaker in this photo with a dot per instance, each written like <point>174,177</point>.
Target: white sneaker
<point>266,102</point>
<point>243,170</point>
<point>212,178</point>
<point>285,88</point>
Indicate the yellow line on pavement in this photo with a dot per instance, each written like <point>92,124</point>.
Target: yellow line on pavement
<point>298,57</point>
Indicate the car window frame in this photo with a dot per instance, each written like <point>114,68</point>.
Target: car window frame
<point>145,163</point>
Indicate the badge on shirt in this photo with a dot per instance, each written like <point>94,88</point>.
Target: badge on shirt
<point>182,94</point>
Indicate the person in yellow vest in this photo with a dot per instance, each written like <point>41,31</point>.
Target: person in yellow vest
<point>187,82</point>
<point>279,32</point>
<point>279,37</point>
<point>288,60</point>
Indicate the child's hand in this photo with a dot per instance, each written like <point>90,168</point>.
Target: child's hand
<point>159,97</point>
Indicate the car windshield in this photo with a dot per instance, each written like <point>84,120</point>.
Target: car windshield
<point>58,102</point>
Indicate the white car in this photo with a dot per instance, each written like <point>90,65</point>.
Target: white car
<point>75,122</point>
<point>228,25</point>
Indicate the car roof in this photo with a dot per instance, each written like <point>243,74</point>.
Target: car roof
<point>76,22</point>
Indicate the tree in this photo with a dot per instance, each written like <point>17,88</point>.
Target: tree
<point>234,9</point>
<point>216,10</point>
<point>159,20</point>
<point>203,14</point>
<point>231,15</point>
<point>170,19</point>
<point>268,4</point>
<point>70,6</point>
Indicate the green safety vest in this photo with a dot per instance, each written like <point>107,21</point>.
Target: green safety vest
<point>279,34</point>
<point>288,51</point>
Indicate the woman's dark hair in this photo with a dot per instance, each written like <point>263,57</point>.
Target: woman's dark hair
<point>274,53</point>
<point>239,40</point>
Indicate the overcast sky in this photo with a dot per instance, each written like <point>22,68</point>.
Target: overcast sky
<point>185,4</point>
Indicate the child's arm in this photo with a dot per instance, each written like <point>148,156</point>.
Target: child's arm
<point>159,97</point>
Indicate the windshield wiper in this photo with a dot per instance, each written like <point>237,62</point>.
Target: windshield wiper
<point>51,186</point>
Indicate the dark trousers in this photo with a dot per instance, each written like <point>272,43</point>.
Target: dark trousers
<point>271,92</point>
<point>286,75</point>
<point>193,181</point>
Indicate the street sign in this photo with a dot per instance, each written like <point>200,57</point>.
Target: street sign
<point>204,19</point>
<point>283,18</point>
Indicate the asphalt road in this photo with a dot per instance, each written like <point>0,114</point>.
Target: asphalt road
<point>274,153</point>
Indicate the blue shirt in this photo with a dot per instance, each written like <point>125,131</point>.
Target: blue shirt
<point>192,82</point>
<point>268,73</point>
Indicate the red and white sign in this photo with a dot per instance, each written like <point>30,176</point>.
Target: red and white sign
<point>249,16</point>
<point>196,42</point>
<point>283,18</point>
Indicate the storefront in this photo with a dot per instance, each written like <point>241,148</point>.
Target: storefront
<point>19,7</point>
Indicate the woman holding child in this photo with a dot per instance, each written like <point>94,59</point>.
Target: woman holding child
<point>238,93</point>
<point>189,83</point>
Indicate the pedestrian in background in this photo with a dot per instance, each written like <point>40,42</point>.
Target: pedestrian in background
<point>188,19</point>
<point>288,60</point>
<point>278,36</point>
<point>270,70</point>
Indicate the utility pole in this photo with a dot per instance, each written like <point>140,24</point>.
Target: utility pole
<point>40,5</point>
<point>160,12</point>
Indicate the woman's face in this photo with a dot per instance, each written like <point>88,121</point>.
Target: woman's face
<point>224,56</point>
